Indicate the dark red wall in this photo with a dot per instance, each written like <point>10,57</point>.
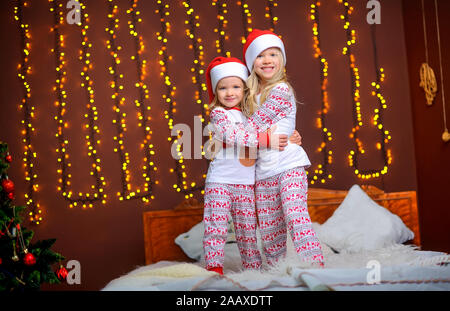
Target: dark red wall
<point>432,154</point>
<point>108,239</point>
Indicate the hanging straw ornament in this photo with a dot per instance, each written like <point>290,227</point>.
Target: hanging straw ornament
<point>428,82</point>
<point>427,77</point>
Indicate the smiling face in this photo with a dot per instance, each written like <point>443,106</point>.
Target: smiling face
<point>268,63</point>
<point>230,91</point>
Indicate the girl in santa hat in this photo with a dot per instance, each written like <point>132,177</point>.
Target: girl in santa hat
<point>281,183</point>
<point>230,180</point>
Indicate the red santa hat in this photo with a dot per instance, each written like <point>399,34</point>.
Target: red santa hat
<point>223,67</point>
<point>258,41</point>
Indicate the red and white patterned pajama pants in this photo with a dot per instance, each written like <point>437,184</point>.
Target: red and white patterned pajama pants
<point>220,201</point>
<point>281,204</point>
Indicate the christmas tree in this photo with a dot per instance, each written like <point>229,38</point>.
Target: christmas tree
<point>24,266</point>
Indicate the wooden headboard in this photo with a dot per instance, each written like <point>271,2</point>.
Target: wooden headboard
<point>163,226</point>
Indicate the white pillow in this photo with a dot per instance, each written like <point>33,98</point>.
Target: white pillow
<point>191,242</point>
<point>361,224</point>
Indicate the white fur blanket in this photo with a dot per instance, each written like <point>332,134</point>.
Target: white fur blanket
<point>398,267</point>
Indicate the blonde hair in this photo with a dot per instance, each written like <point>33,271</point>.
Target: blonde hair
<point>254,87</point>
<point>215,102</point>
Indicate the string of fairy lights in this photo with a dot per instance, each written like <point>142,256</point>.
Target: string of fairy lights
<point>358,151</point>
<point>181,185</point>
<point>119,101</point>
<point>246,19</point>
<point>119,98</point>
<point>198,71</point>
<point>29,154</point>
<point>91,115</point>
<point>321,172</point>
<point>273,20</point>
<point>117,87</point>
<point>222,10</point>
<point>143,111</point>
<point>169,95</point>
<point>198,63</point>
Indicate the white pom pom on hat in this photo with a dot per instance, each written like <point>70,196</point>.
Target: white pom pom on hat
<point>258,41</point>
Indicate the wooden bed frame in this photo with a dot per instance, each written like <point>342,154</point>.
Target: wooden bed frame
<point>161,227</point>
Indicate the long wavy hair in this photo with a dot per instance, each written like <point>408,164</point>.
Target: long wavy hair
<point>255,87</point>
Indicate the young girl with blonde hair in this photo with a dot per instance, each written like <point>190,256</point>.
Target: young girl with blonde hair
<point>281,183</point>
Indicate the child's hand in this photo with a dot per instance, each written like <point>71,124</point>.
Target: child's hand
<point>273,141</point>
<point>295,138</point>
<point>277,141</point>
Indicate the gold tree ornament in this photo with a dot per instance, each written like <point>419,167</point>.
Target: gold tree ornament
<point>446,136</point>
<point>428,83</point>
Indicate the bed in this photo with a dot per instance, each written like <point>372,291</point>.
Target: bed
<point>370,240</point>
